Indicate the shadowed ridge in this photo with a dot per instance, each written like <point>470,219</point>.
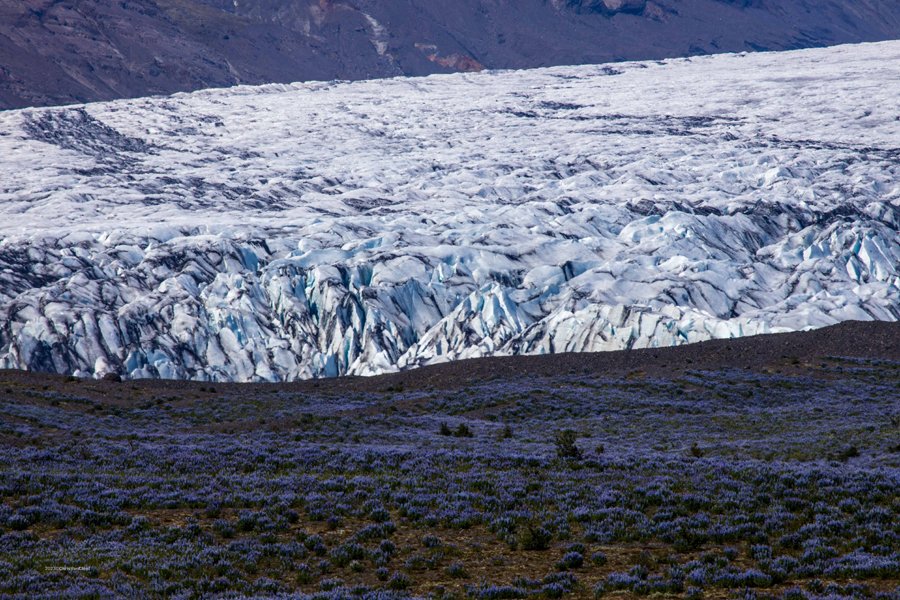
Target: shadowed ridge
<point>820,350</point>
<point>871,340</point>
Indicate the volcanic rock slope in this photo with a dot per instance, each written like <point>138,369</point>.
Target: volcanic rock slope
<point>290,231</point>
<point>62,51</point>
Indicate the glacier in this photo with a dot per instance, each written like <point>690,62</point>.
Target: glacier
<point>319,229</point>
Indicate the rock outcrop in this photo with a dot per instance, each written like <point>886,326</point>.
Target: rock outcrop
<point>65,51</point>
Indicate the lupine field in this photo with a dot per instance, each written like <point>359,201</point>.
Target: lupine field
<point>777,483</point>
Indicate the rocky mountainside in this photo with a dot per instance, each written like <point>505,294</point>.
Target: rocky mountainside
<point>288,231</point>
<point>66,51</point>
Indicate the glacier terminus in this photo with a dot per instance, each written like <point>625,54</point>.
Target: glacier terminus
<point>281,232</point>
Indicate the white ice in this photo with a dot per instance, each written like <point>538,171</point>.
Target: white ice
<point>289,231</point>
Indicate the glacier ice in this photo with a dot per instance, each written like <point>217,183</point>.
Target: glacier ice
<point>289,231</point>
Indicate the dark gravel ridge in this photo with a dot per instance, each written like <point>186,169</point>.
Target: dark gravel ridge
<point>823,351</point>
<point>773,352</point>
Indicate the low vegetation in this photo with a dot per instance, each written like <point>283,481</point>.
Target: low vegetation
<point>711,485</point>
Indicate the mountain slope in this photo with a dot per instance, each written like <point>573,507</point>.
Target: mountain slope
<point>281,232</point>
<point>61,51</point>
